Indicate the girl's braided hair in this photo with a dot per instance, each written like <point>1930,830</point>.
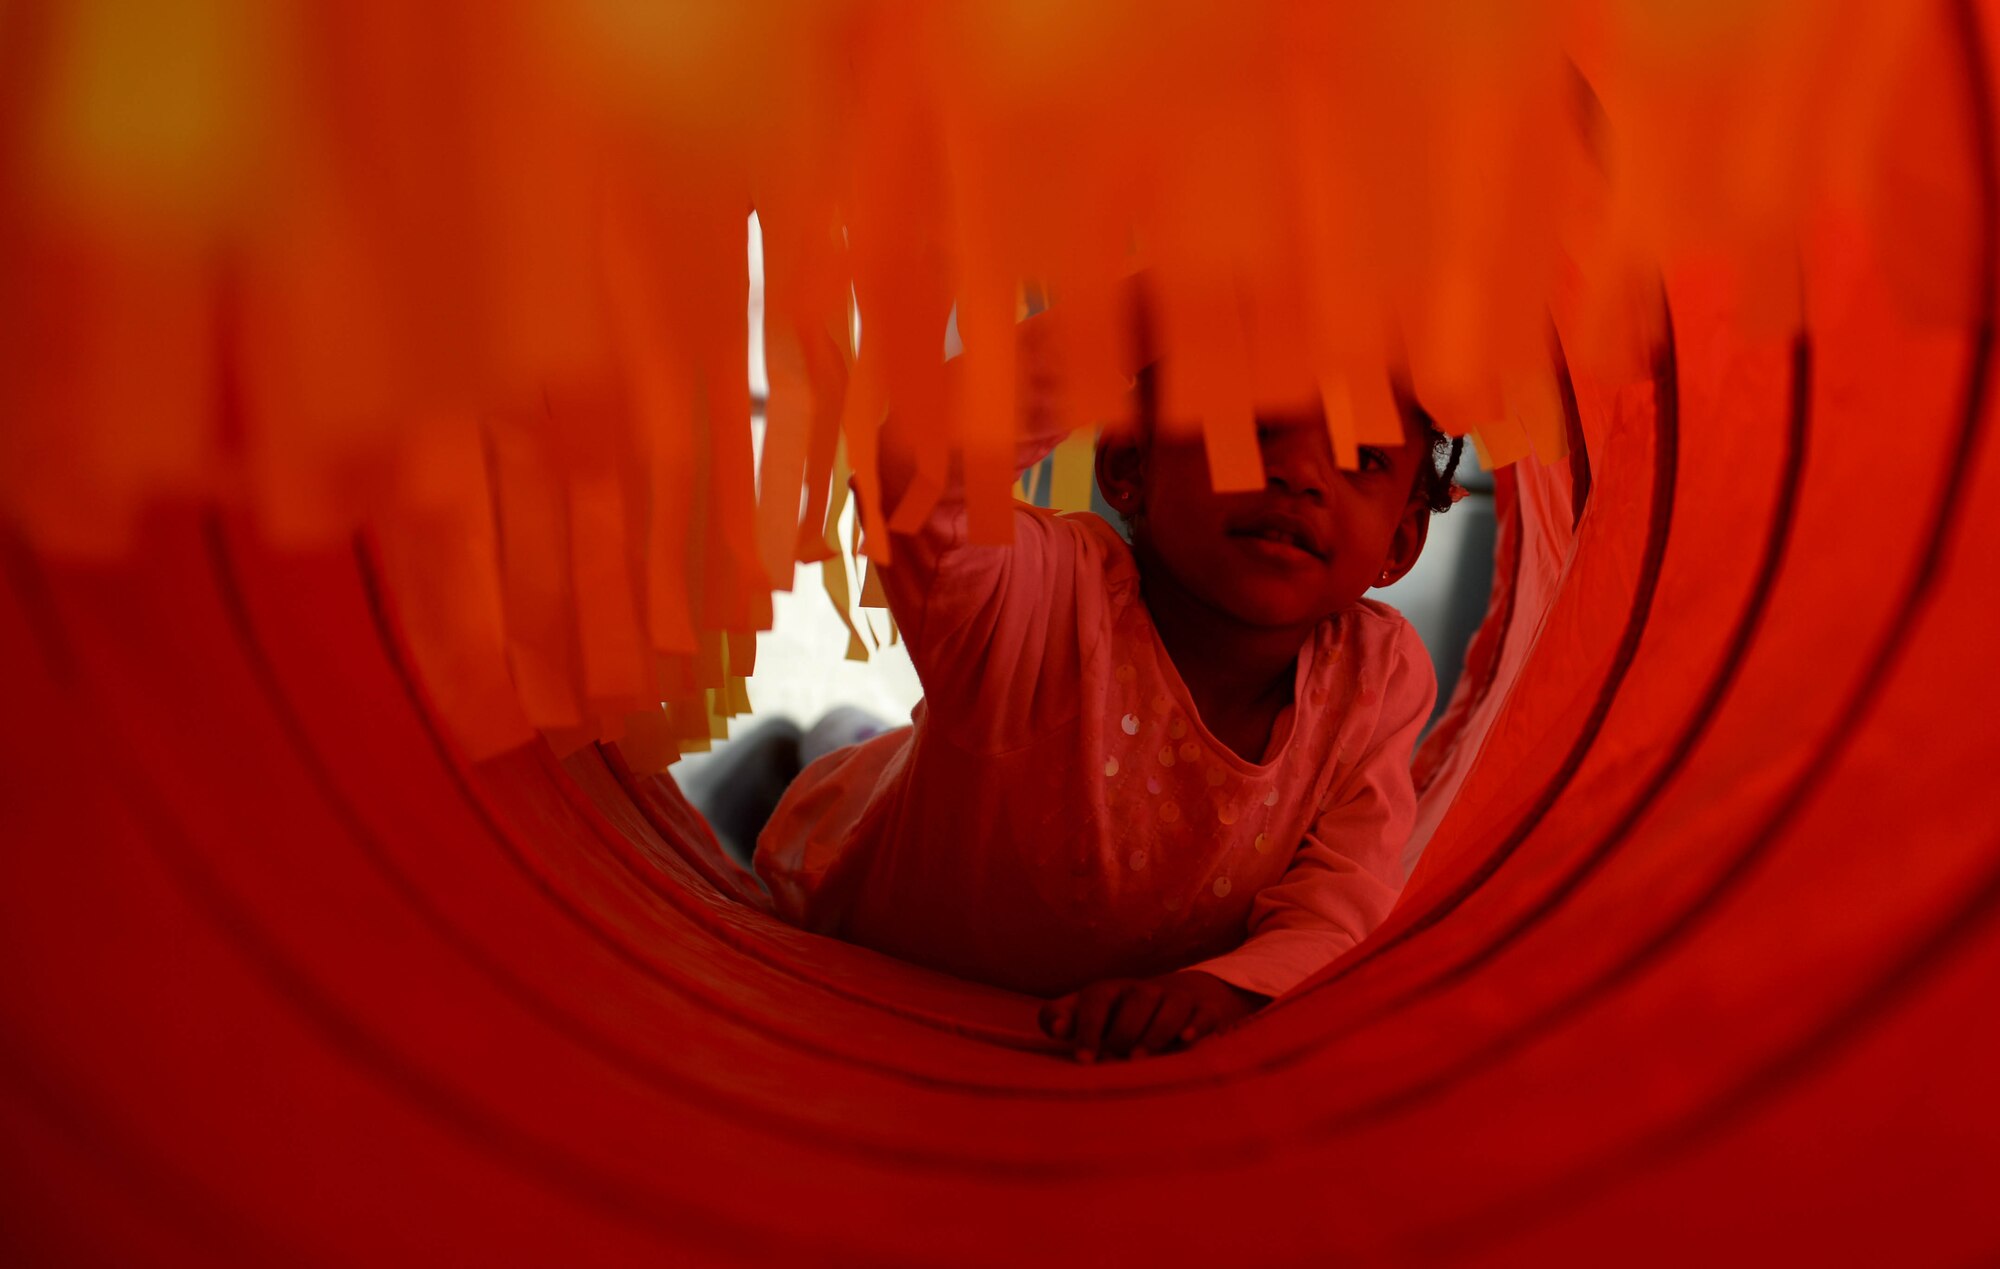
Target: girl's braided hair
<point>1436,478</point>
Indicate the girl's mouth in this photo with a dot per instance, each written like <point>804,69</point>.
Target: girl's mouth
<point>1286,533</point>
<point>1278,549</point>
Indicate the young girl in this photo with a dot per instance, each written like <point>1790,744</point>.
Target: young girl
<point>1129,758</point>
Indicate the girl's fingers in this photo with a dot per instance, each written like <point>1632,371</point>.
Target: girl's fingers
<point>1059,1017</point>
<point>1197,1026</point>
<point>1175,1011</point>
<point>1093,1010</point>
<point>1129,1020</point>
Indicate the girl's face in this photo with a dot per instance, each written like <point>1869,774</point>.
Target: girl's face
<point>1308,545</point>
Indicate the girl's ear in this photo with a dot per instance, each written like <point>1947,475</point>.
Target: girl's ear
<point>1121,473</point>
<point>1412,531</point>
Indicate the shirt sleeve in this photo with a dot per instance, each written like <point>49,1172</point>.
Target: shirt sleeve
<point>997,633</point>
<point>1347,873</point>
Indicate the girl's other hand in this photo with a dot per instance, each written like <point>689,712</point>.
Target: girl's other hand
<point>1132,1017</point>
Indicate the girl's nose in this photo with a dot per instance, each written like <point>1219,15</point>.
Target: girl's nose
<point>1294,484</point>
<point>1291,467</point>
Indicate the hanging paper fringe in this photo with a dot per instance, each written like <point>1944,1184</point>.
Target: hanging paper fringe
<point>473,277</point>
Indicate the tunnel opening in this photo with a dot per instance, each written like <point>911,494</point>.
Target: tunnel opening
<point>317,943</point>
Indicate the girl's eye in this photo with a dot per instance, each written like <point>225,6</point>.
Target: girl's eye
<point>1373,459</point>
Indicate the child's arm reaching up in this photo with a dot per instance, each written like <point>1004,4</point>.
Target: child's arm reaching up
<point>995,632</point>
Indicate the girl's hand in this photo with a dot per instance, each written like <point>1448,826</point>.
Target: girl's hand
<point>1131,1017</point>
